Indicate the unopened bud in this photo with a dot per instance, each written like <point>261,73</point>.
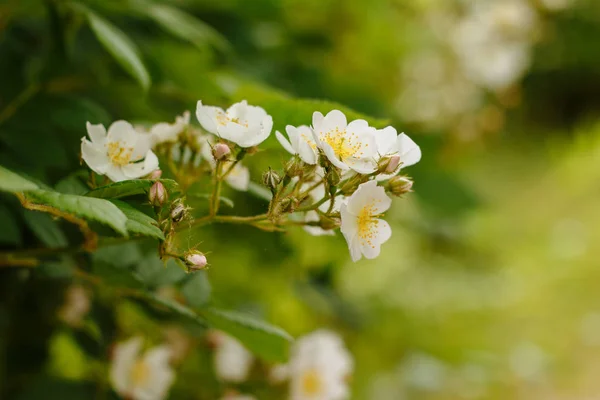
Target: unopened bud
<point>389,164</point>
<point>178,211</point>
<point>294,167</point>
<point>157,194</point>
<point>333,177</point>
<point>271,180</point>
<point>289,205</point>
<point>328,223</point>
<point>399,185</point>
<point>156,174</point>
<point>220,151</point>
<point>195,260</point>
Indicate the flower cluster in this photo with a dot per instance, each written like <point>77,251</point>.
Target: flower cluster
<point>339,176</point>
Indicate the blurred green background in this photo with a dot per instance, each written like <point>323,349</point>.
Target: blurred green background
<point>489,287</point>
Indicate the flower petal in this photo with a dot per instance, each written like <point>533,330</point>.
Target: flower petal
<point>284,142</point>
<point>207,117</point>
<point>382,233</point>
<point>409,151</point>
<point>124,357</point>
<point>369,194</point>
<point>332,157</point>
<point>94,156</point>
<point>123,132</point>
<point>97,133</point>
<point>239,178</point>
<point>386,140</point>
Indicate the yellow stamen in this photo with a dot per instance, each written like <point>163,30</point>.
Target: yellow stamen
<point>139,373</point>
<point>343,145</point>
<point>118,154</point>
<point>368,224</point>
<point>312,384</point>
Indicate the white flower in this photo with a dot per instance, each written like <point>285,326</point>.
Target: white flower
<point>232,360</point>
<point>239,176</point>
<point>363,230</point>
<point>77,305</point>
<point>121,154</point>
<point>318,368</point>
<point>242,124</point>
<point>347,145</point>
<point>301,142</point>
<point>146,377</point>
<point>389,143</point>
<point>165,132</point>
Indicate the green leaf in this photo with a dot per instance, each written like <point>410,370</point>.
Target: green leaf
<point>88,208</point>
<point>184,25</point>
<point>118,276</point>
<point>131,188</point>
<point>267,341</point>
<point>10,233</point>
<point>118,45</point>
<point>138,222</point>
<point>259,191</point>
<point>154,273</point>
<point>11,182</point>
<point>45,228</point>
<point>196,289</point>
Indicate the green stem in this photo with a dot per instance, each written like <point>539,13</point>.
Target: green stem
<point>214,201</point>
<point>313,206</point>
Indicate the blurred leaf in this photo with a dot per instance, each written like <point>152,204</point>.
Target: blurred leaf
<point>11,182</point>
<point>130,188</point>
<point>10,232</point>
<point>121,255</point>
<point>45,228</point>
<point>99,210</point>
<point>259,191</point>
<point>67,360</point>
<point>118,276</point>
<point>72,184</point>
<point>118,45</point>
<point>183,25</point>
<point>196,289</point>
<point>50,388</point>
<point>138,222</point>
<point>154,273</point>
<point>267,341</point>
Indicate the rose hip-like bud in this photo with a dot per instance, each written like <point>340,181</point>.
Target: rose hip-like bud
<point>388,164</point>
<point>195,260</point>
<point>220,151</point>
<point>271,180</point>
<point>294,167</point>
<point>156,174</point>
<point>158,194</point>
<point>399,185</point>
<point>178,211</point>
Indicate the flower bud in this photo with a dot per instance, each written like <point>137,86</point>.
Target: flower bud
<point>398,185</point>
<point>388,164</point>
<point>294,167</point>
<point>220,151</point>
<point>289,205</point>
<point>178,211</point>
<point>195,260</point>
<point>156,174</point>
<point>271,180</point>
<point>333,177</point>
<point>158,194</point>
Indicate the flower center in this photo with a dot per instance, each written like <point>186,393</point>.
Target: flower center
<point>224,119</point>
<point>139,373</point>
<point>367,224</point>
<point>118,154</point>
<point>312,384</point>
<point>309,140</point>
<point>343,145</point>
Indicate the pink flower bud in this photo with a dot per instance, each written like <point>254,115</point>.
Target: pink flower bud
<point>220,151</point>
<point>156,174</point>
<point>157,194</point>
<point>195,260</point>
<point>394,162</point>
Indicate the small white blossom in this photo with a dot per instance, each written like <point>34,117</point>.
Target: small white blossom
<point>361,226</point>
<point>121,154</point>
<point>242,124</point>
<point>232,360</point>
<point>164,132</point>
<point>346,145</point>
<point>319,367</point>
<point>76,306</point>
<point>301,142</point>
<point>389,143</point>
<point>137,377</point>
<point>239,176</point>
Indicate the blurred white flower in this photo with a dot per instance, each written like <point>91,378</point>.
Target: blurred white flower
<point>346,145</point>
<point>137,377</point>
<point>242,124</point>
<point>164,132</point>
<point>556,5</point>
<point>76,306</point>
<point>389,143</point>
<point>319,367</point>
<point>122,153</point>
<point>301,142</point>
<point>232,360</point>
<point>239,176</point>
<point>313,216</point>
<point>237,396</point>
<point>364,231</point>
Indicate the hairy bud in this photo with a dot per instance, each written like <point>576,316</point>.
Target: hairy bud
<point>333,177</point>
<point>399,185</point>
<point>271,180</point>
<point>158,194</point>
<point>156,174</point>
<point>289,204</point>
<point>178,211</point>
<point>195,260</point>
<point>220,151</point>
<point>389,164</point>
<point>329,223</point>
<point>294,167</point>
